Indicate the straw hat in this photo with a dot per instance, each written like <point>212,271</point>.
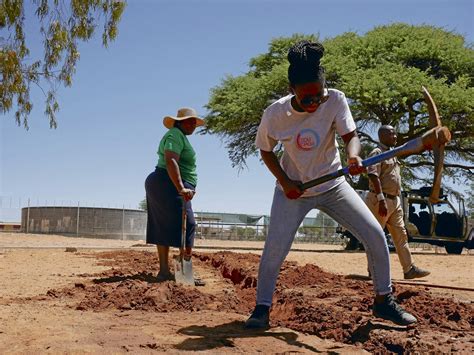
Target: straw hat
<point>183,114</point>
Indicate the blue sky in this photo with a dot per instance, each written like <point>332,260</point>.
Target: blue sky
<point>170,54</point>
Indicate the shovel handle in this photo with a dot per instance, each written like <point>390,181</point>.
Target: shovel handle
<point>324,178</point>
<point>183,226</point>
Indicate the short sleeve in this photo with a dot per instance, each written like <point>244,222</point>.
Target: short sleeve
<point>344,121</point>
<point>264,140</point>
<point>376,168</point>
<point>173,142</point>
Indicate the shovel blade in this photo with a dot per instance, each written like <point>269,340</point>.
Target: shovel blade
<point>183,271</point>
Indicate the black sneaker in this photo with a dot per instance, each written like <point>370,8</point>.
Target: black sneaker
<point>415,273</point>
<point>389,309</point>
<point>260,318</point>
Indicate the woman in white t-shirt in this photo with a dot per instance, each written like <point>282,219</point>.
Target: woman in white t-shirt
<point>305,123</point>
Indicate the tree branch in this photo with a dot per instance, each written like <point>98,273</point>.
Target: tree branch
<point>367,137</point>
<point>446,165</point>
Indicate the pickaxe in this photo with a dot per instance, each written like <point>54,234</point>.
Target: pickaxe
<point>435,139</point>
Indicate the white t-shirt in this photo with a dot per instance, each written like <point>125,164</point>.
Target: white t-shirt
<point>309,139</point>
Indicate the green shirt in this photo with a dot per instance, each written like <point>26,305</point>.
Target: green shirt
<point>176,141</point>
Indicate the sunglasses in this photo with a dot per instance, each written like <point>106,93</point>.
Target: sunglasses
<point>319,99</point>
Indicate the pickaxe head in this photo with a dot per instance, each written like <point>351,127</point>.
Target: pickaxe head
<point>435,139</point>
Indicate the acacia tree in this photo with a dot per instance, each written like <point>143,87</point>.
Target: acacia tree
<point>62,24</point>
<point>381,74</point>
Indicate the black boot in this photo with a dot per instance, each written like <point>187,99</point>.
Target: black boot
<point>389,309</point>
<point>260,318</point>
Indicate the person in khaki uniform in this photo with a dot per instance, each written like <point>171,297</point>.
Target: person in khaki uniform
<point>384,201</point>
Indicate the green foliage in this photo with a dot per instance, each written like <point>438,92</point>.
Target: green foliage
<point>242,232</point>
<point>63,25</point>
<point>323,220</point>
<point>322,225</point>
<point>310,231</point>
<point>381,74</point>
<point>143,205</point>
<point>470,203</point>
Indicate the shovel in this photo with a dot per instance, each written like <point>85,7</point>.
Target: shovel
<point>183,269</point>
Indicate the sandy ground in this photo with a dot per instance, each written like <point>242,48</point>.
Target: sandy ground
<point>90,299</point>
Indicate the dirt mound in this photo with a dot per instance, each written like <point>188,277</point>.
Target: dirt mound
<point>307,299</point>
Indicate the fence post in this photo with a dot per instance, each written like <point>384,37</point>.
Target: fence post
<point>324,227</point>
<point>123,222</point>
<point>77,219</point>
<point>202,230</point>
<point>28,218</point>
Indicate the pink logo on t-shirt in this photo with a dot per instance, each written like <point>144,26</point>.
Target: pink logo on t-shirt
<point>307,139</point>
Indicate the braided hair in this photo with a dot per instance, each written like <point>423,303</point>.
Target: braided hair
<point>304,58</point>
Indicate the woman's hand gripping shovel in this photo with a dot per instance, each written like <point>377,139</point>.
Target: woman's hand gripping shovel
<point>183,268</point>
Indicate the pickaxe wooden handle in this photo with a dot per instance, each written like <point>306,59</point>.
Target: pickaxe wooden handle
<point>434,139</point>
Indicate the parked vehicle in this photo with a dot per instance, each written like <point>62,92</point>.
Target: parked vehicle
<point>351,242</point>
<point>433,223</point>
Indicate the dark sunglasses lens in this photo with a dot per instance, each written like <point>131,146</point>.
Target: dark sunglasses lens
<point>310,100</point>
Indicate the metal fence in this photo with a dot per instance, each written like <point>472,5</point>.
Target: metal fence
<point>70,218</point>
<point>11,206</point>
<point>222,231</point>
<point>73,218</point>
<point>78,221</point>
<point>237,226</point>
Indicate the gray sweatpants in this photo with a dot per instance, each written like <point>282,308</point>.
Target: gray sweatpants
<point>345,206</point>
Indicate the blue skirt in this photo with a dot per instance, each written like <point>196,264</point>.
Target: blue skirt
<point>165,208</point>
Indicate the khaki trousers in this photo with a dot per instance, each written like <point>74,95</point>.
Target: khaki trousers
<point>395,225</point>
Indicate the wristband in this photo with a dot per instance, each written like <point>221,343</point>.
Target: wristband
<point>380,197</point>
